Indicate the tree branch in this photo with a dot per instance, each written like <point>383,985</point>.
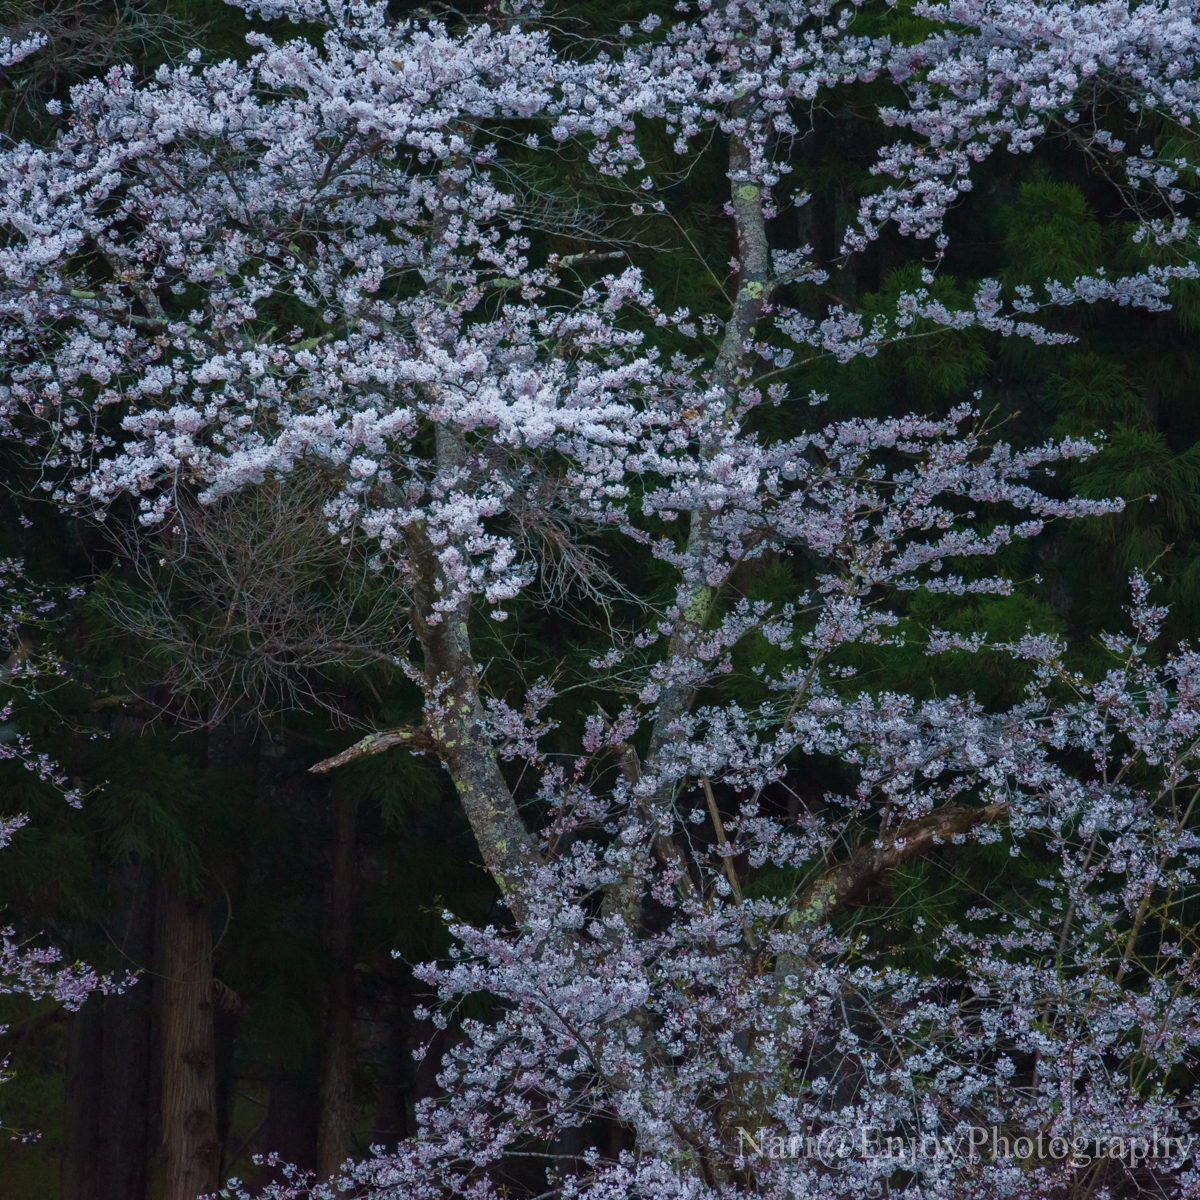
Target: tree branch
<point>911,840</point>
<point>376,743</point>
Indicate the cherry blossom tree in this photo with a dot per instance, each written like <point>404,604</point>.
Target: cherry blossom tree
<point>680,1013</point>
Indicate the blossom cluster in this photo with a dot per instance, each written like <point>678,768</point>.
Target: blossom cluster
<point>675,970</point>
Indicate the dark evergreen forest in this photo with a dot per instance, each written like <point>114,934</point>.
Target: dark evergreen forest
<point>282,910</point>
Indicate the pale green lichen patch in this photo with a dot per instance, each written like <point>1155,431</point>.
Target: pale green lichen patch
<point>813,912</point>
<point>697,607</point>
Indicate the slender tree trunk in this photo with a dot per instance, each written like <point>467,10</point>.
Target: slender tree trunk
<point>191,1151</point>
<point>84,1034</point>
<point>125,1090</point>
<point>699,590</point>
<point>728,374</point>
<point>337,1070</point>
<point>454,712</point>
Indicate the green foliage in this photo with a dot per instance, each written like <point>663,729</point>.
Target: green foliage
<point>1051,232</point>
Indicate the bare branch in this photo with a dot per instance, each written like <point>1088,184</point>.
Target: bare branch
<point>376,743</point>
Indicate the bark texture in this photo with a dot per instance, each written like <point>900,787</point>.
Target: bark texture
<point>191,1150</point>
<point>454,714</point>
<point>376,743</point>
